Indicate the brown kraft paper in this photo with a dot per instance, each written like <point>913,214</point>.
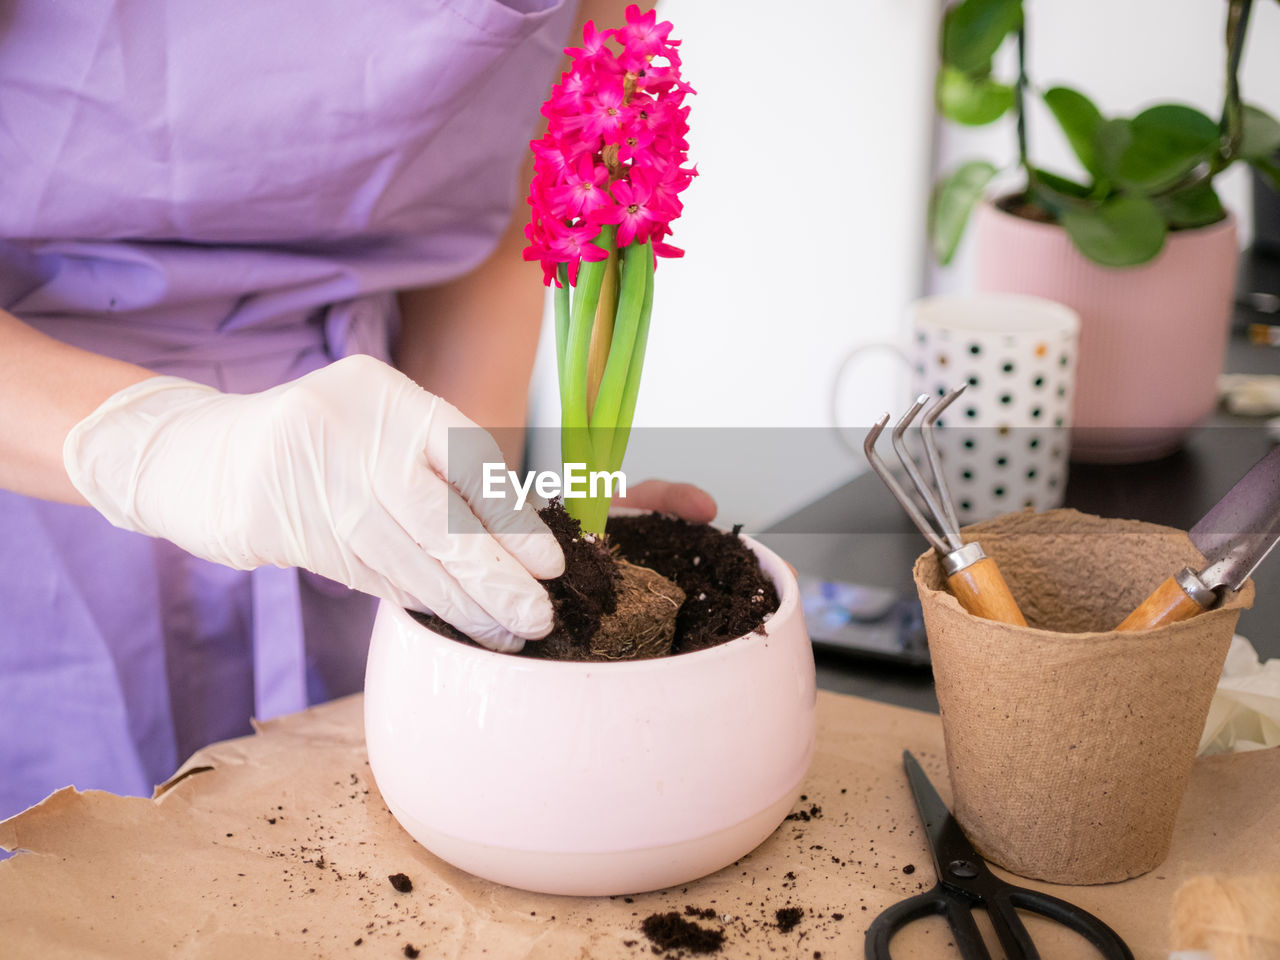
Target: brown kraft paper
<point>1069,744</point>
<point>278,846</point>
<point>1233,918</point>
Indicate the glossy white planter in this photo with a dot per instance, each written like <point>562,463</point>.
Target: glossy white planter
<point>592,779</point>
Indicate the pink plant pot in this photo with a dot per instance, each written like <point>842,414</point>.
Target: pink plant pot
<point>1152,337</point>
<point>592,779</point>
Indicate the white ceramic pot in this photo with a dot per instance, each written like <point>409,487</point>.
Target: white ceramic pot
<point>592,779</point>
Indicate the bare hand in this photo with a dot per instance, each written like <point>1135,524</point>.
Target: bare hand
<point>684,500</point>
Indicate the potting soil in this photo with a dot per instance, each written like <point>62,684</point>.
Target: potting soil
<point>702,587</point>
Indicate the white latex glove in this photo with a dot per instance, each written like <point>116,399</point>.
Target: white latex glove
<point>342,472</point>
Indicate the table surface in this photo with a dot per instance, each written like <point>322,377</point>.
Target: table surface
<point>279,846</point>
<point>858,532</point>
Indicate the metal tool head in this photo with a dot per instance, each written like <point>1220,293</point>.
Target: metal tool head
<point>940,528</point>
<point>1242,528</point>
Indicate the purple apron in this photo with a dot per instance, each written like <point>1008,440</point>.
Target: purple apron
<point>229,193</point>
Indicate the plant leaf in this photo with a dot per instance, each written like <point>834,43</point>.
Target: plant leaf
<point>1080,121</point>
<point>1165,142</point>
<point>1054,192</point>
<point>1109,144</point>
<point>971,100</point>
<point>1061,185</point>
<point>952,201</point>
<point>1194,206</point>
<point>1120,232</point>
<point>1269,171</point>
<point>973,30</point>
<point>1261,139</point>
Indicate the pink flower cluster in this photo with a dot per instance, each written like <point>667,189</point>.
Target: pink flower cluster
<point>614,150</point>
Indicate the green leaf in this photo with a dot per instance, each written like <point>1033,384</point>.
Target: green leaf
<point>971,100</point>
<point>1261,138</point>
<point>1269,171</point>
<point>1054,192</point>
<point>952,201</point>
<point>973,30</point>
<point>1080,121</point>
<point>1061,185</point>
<point>1164,143</point>
<point>1120,232</point>
<point>1194,206</point>
<point>1109,144</point>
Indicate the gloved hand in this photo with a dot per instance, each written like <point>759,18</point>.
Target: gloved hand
<point>342,472</point>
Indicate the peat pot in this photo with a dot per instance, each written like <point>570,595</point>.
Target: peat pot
<point>1070,743</point>
<point>592,779</point>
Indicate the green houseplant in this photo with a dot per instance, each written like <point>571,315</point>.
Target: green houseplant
<point>1138,242</point>
<point>1145,175</point>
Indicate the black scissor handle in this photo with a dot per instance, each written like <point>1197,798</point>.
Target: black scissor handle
<point>1002,907</point>
<point>935,902</point>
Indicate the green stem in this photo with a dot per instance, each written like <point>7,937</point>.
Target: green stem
<point>604,416</point>
<point>592,513</point>
<point>575,442</point>
<point>561,301</point>
<point>1232,123</point>
<point>606,315</point>
<point>1020,112</point>
<point>627,408</point>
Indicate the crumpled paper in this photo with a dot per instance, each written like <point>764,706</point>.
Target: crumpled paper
<point>1227,918</point>
<point>1250,394</point>
<point>278,846</point>
<point>1245,711</point>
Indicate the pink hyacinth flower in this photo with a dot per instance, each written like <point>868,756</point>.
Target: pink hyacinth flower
<point>583,190</point>
<point>632,211</point>
<point>572,245</point>
<point>615,149</point>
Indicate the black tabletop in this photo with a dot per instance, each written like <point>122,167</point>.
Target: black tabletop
<point>859,533</point>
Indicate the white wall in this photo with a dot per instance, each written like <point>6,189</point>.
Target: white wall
<point>1125,56</point>
<point>814,133</point>
<point>804,232</point>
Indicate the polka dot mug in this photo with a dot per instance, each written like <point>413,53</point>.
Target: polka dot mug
<point>1005,441</point>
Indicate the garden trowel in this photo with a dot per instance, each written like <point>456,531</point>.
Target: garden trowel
<point>1235,536</point>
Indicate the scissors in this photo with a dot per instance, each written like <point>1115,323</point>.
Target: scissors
<point>966,883</point>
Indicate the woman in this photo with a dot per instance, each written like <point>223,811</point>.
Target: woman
<point>203,209</point>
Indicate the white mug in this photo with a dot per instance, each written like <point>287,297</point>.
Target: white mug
<point>1005,441</point>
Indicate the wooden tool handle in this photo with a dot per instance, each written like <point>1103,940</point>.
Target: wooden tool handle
<point>981,590</point>
<point>1168,603</point>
